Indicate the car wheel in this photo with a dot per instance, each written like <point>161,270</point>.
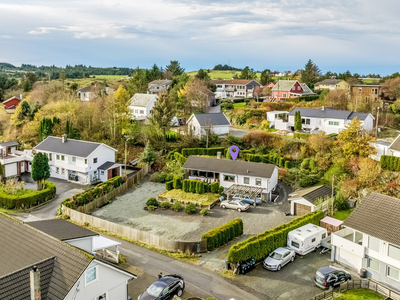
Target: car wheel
<point>239,210</point>
<point>292,259</point>
<point>179,293</point>
<point>223,206</point>
<point>279,267</point>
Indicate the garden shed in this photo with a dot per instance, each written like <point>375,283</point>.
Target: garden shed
<point>331,224</point>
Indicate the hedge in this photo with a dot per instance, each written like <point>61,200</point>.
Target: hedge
<point>177,182</point>
<point>221,235</point>
<point>301,136</point>
<point>260,246</point>
<point>275,158</point>
<point>33,198</point>
<point>180,158</point>
<point>93,193</point>
<point>389,162</point>
<point>253,158</point>
<point>169,185</point>
<point>302,98</point>
<point>202,151</point>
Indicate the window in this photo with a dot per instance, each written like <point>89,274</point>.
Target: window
<point>258,181</point>
<point>91,275</point>
<point>333,123</point>
<point>373,264</point>
<point>299,88</point>
<point>394,252</point>
<point>313,240</point>
<point>58,157</point>
<point>95,160</point>
<point>63,171</point>
<point>246,180</point>
<point>374,91</point>
<point>294,244</point>
<point>347,87</point>
<point>85,161</point>
<point>358,238</point>
<point>360,90</point>
<point>305,121</point>
<point>142,112</point>
<point>393,273</point>
<point>229,178</point>
<point>323,235</point>
<point>373,243</point>
<point>50,156</point>
<point>58,170</point>
<point>337,86</point>
<point>102,172</point>
<point>284,95</point>
<point>62,157</point>
<point>73,159</point>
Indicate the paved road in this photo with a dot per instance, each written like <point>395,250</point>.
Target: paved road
<point>199,281</point>
<point>238,132</point>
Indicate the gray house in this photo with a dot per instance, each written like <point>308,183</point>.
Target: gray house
<point>159,86</point>
<point>201,124</point>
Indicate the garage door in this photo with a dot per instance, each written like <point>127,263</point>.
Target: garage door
<point>349,259</point>
<point>11,170</point>
<point>301,209</point>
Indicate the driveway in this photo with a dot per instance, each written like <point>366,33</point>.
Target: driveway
<point>239,133</point>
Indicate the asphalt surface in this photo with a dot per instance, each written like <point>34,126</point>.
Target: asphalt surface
<point>238,132</point>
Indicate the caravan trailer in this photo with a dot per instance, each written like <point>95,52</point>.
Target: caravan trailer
<point>306,239</point>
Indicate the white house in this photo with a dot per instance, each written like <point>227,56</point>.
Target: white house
<point>325,119</point>
<point>259,177</point>
<point>213,123</point>
<point>382,148</point>
<point>90,92</point>
<point>277,119</point>
<point>371,239</point>
<point>159,86</point>
<point>141,105</point>
<point>235,88</point>
<point>81,161</point>
<point>14,162</point>
<point>303,201</point>
<point>35,265</point>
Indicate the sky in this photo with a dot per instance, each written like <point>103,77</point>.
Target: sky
<point>362,36</point>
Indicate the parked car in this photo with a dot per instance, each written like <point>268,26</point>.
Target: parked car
<point>246,199</point>
<point>235,204</point>
<point>277,259</point>
<point>329,277</point>
<point>164,288</point>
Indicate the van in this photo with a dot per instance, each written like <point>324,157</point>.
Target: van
<point>306,239</point>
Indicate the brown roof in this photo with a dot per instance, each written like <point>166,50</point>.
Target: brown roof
<point>22,247</point>
<point>229,166</point>
<point>395,145</point>
<point>233,81</point>
<point>379,216</point>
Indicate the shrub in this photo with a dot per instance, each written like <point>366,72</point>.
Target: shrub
<point>151,202</point>
<point>190,209</point>
<point>200,187</point>
<point>169,185</point>
<point>177,182</point>
<point>221,190</point>
<point>204,212</point>
<point>214,187</point>
<point>165,205</point>
<point>180,158</point>
<point>151,207</point>
<point>301,136</point>
<point>223,234</point>
<point>389,162</point>
<point>227,106</point>
<point>155,177</point>
<point>176,206</point>
<point>202,151</point>
<point>287,164</point>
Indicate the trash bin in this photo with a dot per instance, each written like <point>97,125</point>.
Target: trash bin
<point>228,266</point>
<point>363,273</point>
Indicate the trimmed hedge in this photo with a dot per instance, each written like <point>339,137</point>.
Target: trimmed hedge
<point>221,235</point>
<point>169,185</point>
<point>28,200</point>
<point>260,246</point>
<point>274,158</point>
<point>253,158</point>
<point>302,98</point>
<point>202,151</point>
<point>93,193</point>
<point>389,162</point>
<point>180,158</point>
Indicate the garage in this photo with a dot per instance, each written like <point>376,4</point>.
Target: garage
<point>349,259</point>
<point>303,201</point>
<point>301,209</point>
<point>11,170</point>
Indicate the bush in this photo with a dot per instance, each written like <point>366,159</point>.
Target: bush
<point>151,207</point>
<point>176,206</point>
<point>214,187</point>
<point>389,162</point>
<point>301,136</point>
<point>177,182</point>
<point>180,158</point>
<point>202,151</point>
<point>190,209</point>
<point>221,190</point>
<point>169,185</point>
<point>155,177</point>
<point>261,245</point>
<point>151,202</point>
<point>227,106</point>
<point>200,187</point>
<point>223,234</point>
<point>287,164</point>
<point>204,212</point>
<point>165,205</point>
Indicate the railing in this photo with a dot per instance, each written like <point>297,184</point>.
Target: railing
<point>108,255</point>
<point>360,284</point>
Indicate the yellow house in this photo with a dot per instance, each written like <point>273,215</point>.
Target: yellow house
<point>333,84</point>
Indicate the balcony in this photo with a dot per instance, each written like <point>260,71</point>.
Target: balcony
<point>350,240</point>
<point>17,156</point>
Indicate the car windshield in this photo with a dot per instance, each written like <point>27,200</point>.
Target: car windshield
<point>242,203</point>
<point>155,289</point>
<point>275,255</point>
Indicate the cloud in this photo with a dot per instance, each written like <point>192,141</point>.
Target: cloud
<point>7,37</point>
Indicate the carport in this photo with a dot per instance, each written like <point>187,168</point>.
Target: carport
<point>241,190</point>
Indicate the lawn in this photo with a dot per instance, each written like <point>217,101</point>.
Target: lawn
<point>217,74</point>
<point>199,199</point>
<point>360,294</point>
<point>7,211</point>
<point>370,81</point>
<point>109,76</point>
<point>342,214</point>
<point>239,105</point>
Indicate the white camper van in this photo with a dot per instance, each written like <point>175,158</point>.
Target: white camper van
<point>305,239</point>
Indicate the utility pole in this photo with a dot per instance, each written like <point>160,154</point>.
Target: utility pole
<point>377,119</point>
<point>333,184</point>
<point>125,156</point>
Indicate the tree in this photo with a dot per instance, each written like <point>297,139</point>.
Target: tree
<point>327,204</point>
<point>248,73</point>
<point>175,68</point>
<point>139,82</point>
<point>194,95</point>
<point>391,88</point>
<point>203,75</point>
<point>267,91</point>
<point>62,77</point>
<point>148,155</point>
<point>73,87</point>
<point>120,113</point>
<point>355,140</point>
<point>154,73</point>
<point>311,73</point>
<point>337,99</point>
<point>161,116</point>
<point>40,169</point>
<point>265,77</point>
<point>297,121</point>
<point>5,84</point>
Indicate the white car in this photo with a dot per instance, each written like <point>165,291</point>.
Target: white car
<point>278,258</point>
<point>235,204</point>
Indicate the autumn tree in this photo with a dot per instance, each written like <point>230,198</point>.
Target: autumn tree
<point>355,140</point>
<point>194,96</point>
<point>175,68</point>
<point>391,88</point>
<point>337,99</point>
<point>267,91</point>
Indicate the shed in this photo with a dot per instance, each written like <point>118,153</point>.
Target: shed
<point>331,224</point>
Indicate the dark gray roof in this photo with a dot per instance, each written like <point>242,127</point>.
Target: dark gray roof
<point>317,193</point>
<point>329,82</point>
<point>160,82</point>
<point>395,145</point>
<point>108,165</point>
<point>22,247</point>
<point>9,144</point>
<point>328,113</point>
<point>212,119</point>
<point>379,216</point>
<point>229,166</point>
<point>61,229</point>
<point>70,147</point>
<point>358,115</point>
<point>84,89</point>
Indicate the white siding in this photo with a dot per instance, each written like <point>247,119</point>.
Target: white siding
<point>11,169</point>
<point>82,243</point>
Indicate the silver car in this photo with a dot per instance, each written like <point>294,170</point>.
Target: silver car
<point>235,204</point>
<point>278,258</point>
<point>247,199</point>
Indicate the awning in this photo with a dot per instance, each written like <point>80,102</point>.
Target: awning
<point>244,190</point>
<point>100,242</point>
<point>109,165</point>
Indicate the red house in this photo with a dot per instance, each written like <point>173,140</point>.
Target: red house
<point>11,104</point>
<point>284,89</point>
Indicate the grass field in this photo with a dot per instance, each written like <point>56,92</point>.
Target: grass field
<point>179,195</point>
<point>239,105</point>
<point>110,76</point>
<point>370,81</point>
<point>216,74</point>
<point>343,214</point>
<point>360,294</point>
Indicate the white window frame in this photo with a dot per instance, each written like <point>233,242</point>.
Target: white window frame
<point>73,158</point>
<point>95,160</point>
<point>369,264</point>
<point>50,156</point>
<point>387,272</point>
<point>62,171</point>
<point>284,95</point>
<point>244,180</point>
<point>258,180</point>
<point>101,172</point>
<point>369,241</point>
<point>398,248</point>
<point>360,90</point>
<point>57,170</point>
<point>62,157</point>
<point>94,280</point>
<point>57,157</point>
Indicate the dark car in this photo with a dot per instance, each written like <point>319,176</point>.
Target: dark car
<point>164,288</point>
<point>329,277</point>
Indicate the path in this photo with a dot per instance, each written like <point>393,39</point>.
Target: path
<point>239,133</point>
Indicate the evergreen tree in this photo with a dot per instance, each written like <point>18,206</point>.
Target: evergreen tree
<point>175,68</point>
<point>139,82</point>
<point>40,169</point>
<point>311,73</point>
<point>265,77</point>
<point>297,121</point>
<point>248,73</point>
<point>203,75</point>
<point>148,155</point>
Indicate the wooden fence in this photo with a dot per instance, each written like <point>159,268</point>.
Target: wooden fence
<point>360,284</point>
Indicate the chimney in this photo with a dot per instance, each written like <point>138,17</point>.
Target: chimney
<point>219,154</point>
<point>323,108</point>
<point>247,171</point>
<point>64,138</point>
<point>20,96</point>
<point>35,283</point>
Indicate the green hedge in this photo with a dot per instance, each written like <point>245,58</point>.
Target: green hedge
<point>32,199</point>
<point>260,246</point>
<point>169,185</point>
<point>202,151</point>
<point>302,98</point>
<point>301,136</point>
<point>93,193</point>
<point>389,162</point>
<point>221,235</point>
<point>275,158</point>
<point>180,158</point>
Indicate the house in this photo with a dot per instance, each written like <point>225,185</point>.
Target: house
<point>235,176</point>
<point>324,119</point>
<point>14,162</point>
<point>333,84</point>
<point>277,118</point>
<point>394,148</point>
<point>371,239</point>
<point>205,101</point>
<point>382,148</point>
<point>159,86</point>
<point>35,265</point>
<point>284,89</point>
<point>11,104</point>
<point>141,105</point>
<point>235,88</point>
<point>90,92</point>
<point>303,201</point>
<point>213,123</point>
<point>80,161</point>
<point>366,92</point>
